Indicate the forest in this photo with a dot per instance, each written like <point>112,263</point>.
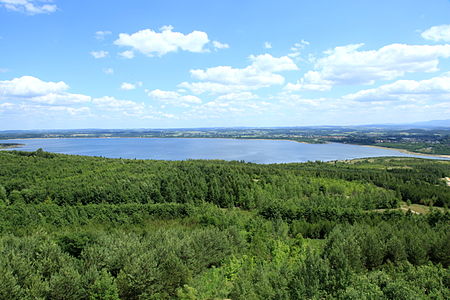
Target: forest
<point>76,227</point>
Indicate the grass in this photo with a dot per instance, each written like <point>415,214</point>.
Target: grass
<point>418,209</point>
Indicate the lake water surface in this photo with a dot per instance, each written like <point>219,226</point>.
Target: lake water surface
<point>257,151</point>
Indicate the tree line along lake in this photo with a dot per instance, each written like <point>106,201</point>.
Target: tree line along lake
<point>248,150</point>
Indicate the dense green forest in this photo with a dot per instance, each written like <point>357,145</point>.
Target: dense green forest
<point>75,227</point>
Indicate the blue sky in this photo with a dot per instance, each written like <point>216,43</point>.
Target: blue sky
<point>169,64</point>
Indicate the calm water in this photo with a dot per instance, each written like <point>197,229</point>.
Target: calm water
<point>257,151</point>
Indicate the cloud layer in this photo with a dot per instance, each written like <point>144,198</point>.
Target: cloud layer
<point>262,72</point>
<point>439,33</point>
<point>152,43</point>
<point>30,7</point>
<point>347,65</point>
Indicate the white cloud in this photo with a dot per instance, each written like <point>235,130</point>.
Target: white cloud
<point>435,89</point>
<point>108,71</point>
<point>29,7</point>
<point>152,43</point>
<point>32,89</point>
<point>127,54</point>
<point>67,109</point>
<point>439,33</point>
<point>99,54</point>
<point>127,86</point>
<point>311,81</point>
<point>101,34</point>
<point>260,73</point>
<point>219,45</point>
<point>174,98</point>
<point>29,86</point>
<point>30,96</point>
<point>125,106</point>
<point>347,65</point>
<point>268,63</point>
<point>61,98</point>
<point>267,45</point>
<point>229,75</point>
<point>46,111</point>
<point>297,48</point>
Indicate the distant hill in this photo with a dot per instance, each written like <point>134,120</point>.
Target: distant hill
<point>417,125</point>
<point>434,123</point>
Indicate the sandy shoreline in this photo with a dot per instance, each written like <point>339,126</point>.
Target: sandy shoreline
<point>407,152</point>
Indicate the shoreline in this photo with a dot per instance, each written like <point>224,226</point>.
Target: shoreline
<point>406,151</point>
<point>445,156</point>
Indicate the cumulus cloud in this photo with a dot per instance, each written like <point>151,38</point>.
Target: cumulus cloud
<point>297,48</point>
<point>44,110</point>
<point>219,45</point>
<point>429,90</point>
<point>267,45</point>
<point>439,33</point>
<point>268,63</point>
<point>101,34</point>
<point>29,86</point>
<point>347,65</point>
<point>130,86</point>
<point>61,98</point>
<point>112,104</point>
<point>260,73</point>
<point>29,95</point>
<point>68,109</point>
<point>127,86</point>
<point>29,7</point>
<point>99,54</point>
<point>127,54</point>
<point>32,89</point>
<point>174,98</point>
<point>153,43</point>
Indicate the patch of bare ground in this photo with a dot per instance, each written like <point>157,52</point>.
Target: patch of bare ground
<point>417,209</point>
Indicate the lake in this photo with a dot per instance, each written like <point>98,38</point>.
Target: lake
<point>257,151</point>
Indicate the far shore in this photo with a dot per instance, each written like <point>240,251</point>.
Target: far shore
<point>156,137</point>
<point>231,138</point>
<point>407,152</point>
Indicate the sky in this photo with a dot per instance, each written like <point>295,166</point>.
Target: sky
<point>186,64</point>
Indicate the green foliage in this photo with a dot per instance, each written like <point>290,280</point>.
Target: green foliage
<point>3,197</point>
<point>92,228</point>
